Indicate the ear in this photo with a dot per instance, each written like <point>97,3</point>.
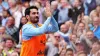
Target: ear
<point>28,17</point>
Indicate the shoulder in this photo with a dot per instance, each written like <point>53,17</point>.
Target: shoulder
<point>26,26</point>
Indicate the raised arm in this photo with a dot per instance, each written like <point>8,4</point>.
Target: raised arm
<point>53,27</point>
<point>28,30</point>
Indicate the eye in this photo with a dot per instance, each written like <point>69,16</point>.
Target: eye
<point>35,13</point>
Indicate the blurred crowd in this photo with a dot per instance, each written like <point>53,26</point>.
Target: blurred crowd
<point>78,21</point>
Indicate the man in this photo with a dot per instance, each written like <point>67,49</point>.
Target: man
<point>69,52</point>
<point>63,12</point>
<point>8,49</point>
<point>55,10</point>
<point>76,10</point>
<point>11,29</point>
<point>96,27</point>
<point>88,40</point>
<point>52,46</point>
<point>33,33</point>
<point>65,32</point>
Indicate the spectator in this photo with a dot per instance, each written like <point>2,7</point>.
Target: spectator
<point>8,49</point>
<point>95,48</point>
<point>2,30</point>
<point>41,9</point>
<point>73,39</point>
<point>76,10</point>
<point>54,9</point>
<point>69,52</point>
<point>24,6</point>
<point>79,47</point>
<point>15,11</point>
<point>3,33</point>
<point>11,29</point>
<point>6,14</point>
<point>89,5</point>
<point>63,12</point>
<point>53,46</point>
<point>96,27</point>
<point>88,40</point>
<point>63,52</point>
<point>93,14</point>
<point>65,32</point>
<point>3,6</point>
<point>81,30</point>
<point>23,21</point>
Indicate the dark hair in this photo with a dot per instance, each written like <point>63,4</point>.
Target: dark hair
<point>8,12</point>
<point>20,26</point>
<point>11,17</point>
<point>10,39</point>
<point>69,49</point>
<point>27,11</point>
<point>98,42</point>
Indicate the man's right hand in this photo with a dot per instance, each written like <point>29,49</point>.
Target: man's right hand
<point>47,9</point>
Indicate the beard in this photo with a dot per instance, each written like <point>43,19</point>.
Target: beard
<point>35,20</point>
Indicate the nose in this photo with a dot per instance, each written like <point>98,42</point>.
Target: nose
<point>36,14</point>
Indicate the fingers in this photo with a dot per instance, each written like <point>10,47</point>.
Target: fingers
<point>47,9</point>
<point>47,6</point>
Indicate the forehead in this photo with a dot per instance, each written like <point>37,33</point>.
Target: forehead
<point>89,32</point>
<point>63,26</point>
<point>63,1</point>
<point>8,40</point>
<point>81,24</point>
<point>10,18</point>
<point>56,34</point>
<point>33,10</point>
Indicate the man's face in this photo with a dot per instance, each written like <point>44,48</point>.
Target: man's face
<point>90,35</point>
<point>23,20</point>
<point>96,21</point>
<point>4,13</point>
<point>73,37</point>
<point>10,21</point>
<point>76,3</point>
<point>81,26</point>
<point>63,3</point>
<point>57,37</point>
<point>69,53</point>
<point>34,17</point>
<point>64,28</point>
<point>2,30</point>
<point>95,46</point>
<point>79,47</point>
<point>9,44</point>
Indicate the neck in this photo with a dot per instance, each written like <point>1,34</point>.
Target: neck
<point>32,22</point>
